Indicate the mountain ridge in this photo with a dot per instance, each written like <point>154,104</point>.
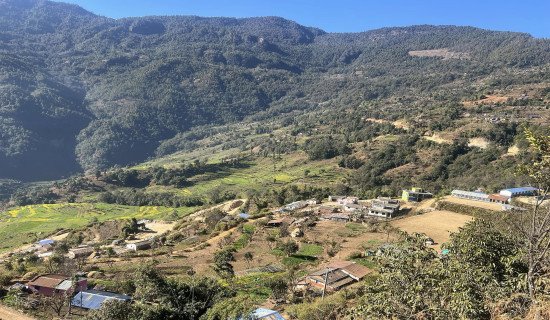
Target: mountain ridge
<point>112,91</point>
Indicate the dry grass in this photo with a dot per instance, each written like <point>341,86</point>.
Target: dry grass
<point>438,225</point>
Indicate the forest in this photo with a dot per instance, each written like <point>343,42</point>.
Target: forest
<point>84,92</point>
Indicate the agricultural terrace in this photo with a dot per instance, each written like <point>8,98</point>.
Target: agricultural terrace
<point>259,173</point>
<point>28,224</point>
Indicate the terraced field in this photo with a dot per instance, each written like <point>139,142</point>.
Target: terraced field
<point>29,223</point>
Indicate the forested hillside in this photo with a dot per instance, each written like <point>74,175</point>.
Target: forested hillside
<point>80,91</point>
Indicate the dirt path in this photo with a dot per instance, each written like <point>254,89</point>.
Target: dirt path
<point>7,313</point>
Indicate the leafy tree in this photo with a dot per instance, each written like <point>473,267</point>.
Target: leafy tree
<point>239,307</point>
<point>483,266</point>
<point>289,247</point>
<point>115,310</point>
<point>533,224</point>
<point>222,265</point>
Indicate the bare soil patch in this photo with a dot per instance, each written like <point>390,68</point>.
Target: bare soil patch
<point>444,53</point>
<point>436,138</point>
<point>478,142</point>
<point>9,313</point>
<point>488,98</point>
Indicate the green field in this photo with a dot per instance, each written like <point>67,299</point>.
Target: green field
<point>30,223</point>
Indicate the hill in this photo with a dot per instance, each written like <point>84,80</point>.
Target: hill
<point>80,91</point>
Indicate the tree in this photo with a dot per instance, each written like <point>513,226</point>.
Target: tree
<point>278,286</point>
<point>534,224</point>
<point>222,265</point>
<point>115,310</point>
<point>289,247</point>
<point>239,307</point>
<point>483,266</point>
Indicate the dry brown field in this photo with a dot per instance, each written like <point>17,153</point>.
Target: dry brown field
<point>438,225</point>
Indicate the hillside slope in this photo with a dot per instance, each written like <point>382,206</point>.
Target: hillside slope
<point>84,91</point>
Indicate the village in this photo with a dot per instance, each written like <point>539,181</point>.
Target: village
<point>345,262</point>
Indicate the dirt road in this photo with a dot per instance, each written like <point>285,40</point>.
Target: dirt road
<point>7,313</point>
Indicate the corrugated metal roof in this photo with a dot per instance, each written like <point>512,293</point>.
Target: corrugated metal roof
<point>243,215</point>
<point>67,284</point>
<point>265,314</point>
<point>356,270</point>
<point>519,190</point>
<point>92,299</point>
<point>64,285</point>
<point>470,194</point>
<point>48,280</point>
<point>45,241</point>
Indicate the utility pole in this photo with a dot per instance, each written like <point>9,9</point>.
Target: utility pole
<point>325,284</point>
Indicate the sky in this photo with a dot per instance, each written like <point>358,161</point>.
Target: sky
<point>530,16</point>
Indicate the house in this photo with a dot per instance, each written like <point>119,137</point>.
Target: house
<point>83,252</point>
<point>415,195</point>
<point>140,245</point>
<point>469,195</point>
<point>498,199</point>
<point>55,284</point>
<point>339,217</point>
<point>335,279</point>
<point>264,314</point>
<point>296,205</point>
<point>92,299</point>
<point>46,241</point>
<point>518,192</point>
<point>384,207</point>
<point>45,248</point>
<point>312,201</point>
<point>335,198</point>
<point>243,215</point>
<point>353,207</point>
<point>347,200</point>
<point>338,274</point>
<point>279,222</point>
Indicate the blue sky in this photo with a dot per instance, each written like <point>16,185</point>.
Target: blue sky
<point>531,16</point>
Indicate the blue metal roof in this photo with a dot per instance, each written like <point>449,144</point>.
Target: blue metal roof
<point>92,299</point>
<point>262,313</point>
<point>243,215</point>
<point>45,241</point>
<point>522,189</point>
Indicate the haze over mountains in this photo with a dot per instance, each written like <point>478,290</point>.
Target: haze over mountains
<point>80,91</point>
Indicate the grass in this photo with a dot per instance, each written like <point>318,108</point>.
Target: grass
<point>310,250</point>
<point>28,224</point>
<point>307,254</point>
<point>355,226</point>
<point>248,230</point>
